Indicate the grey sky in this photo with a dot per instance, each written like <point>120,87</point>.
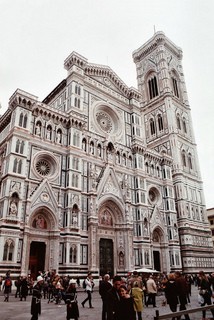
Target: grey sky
<point>37,35</point>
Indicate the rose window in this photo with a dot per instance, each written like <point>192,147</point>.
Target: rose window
<point>104,121</point>
<point>45,164</point>
<point>43,167</point>
<point>154,195</point>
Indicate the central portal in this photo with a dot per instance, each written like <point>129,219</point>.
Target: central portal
<point>106,257</point>
<point>37,258</point>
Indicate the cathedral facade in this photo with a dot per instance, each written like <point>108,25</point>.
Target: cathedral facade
<point>102,177</point>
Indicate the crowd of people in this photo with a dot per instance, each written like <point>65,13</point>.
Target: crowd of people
<point>122,298</point>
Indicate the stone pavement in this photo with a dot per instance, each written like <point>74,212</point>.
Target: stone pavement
<point>20,310</point>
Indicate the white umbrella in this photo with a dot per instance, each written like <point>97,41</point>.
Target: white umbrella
<point>145,270</point>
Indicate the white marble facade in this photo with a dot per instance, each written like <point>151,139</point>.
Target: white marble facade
<point>102,177</point>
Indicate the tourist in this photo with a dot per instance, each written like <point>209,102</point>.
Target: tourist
<point>71,301</point>
<point>137,295</point>
<point>104,287</point>
<point>151,291</point>
<point>181,291</point>
<point>7,287</point>
<point>89,284</point>
<point>205,291</point>
<point>113,299</point>
<point>126,308</point>
<point>171,293</point>
<point>23,288</point>
<point>36,299</point>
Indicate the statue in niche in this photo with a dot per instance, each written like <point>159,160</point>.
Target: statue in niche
<point>38,129</point>
<point>146,231</point>
<point>48,133</point>
<point>74,219</point>
<point>121,259</point>
<point>13,208</point>
<point>39,222</point>
<point>58,136</point>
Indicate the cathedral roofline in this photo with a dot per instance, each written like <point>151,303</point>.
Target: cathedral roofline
<point>157,39</point>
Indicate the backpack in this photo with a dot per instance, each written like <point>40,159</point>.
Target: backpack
<point>84,284</point>
<point>7,283</point>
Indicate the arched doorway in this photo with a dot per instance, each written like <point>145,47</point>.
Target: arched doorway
<point>37,258</point>
<point>156,237</point>
<point>111,254</point>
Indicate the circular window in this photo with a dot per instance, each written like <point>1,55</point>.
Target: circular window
<point>104,121</point>
<point>154,195</point>
<point>45,165</point>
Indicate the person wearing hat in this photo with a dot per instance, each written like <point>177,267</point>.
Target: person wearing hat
<point>71,301</point>
<point>36,299</point>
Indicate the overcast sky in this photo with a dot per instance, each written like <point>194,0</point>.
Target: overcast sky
<point>37,35</point>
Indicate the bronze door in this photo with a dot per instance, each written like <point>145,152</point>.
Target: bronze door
<point>106,257</point>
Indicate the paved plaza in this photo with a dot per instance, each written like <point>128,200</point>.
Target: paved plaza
<point>20,310</point>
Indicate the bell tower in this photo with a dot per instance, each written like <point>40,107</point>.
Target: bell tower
<point>168,129</point>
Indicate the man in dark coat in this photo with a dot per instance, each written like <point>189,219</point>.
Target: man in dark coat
<point>182,291</point>
<point>113,299</point>
<point>104,287</point>
<point>36,299</point>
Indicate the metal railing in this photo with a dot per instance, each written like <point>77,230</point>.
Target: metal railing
<point>179,314</point>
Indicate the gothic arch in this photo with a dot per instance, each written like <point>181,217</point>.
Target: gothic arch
<point>157,235</point>
<point>113,208</point>
<point>43,219</point>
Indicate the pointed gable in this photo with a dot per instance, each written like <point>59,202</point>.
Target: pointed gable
<point>109,185</point>
<point>43,195</point>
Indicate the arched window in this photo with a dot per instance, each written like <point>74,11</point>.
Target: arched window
<point>25,121</point>
<point>175,87</point>
<point>22,147</point>
<point>178,122</point>
<point>147,167</point>
<point>17,146</point>
<point>160,122</point>
<point>20,166</point>
<point>183,156</point>
<point>15,163</point>
<point>153,87</point>
<point>190,160</point>
<point>8,250</point>
<point>20,119</point>
<point>184,125</point>
<point>73,254</point>
<point>152,126</point>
